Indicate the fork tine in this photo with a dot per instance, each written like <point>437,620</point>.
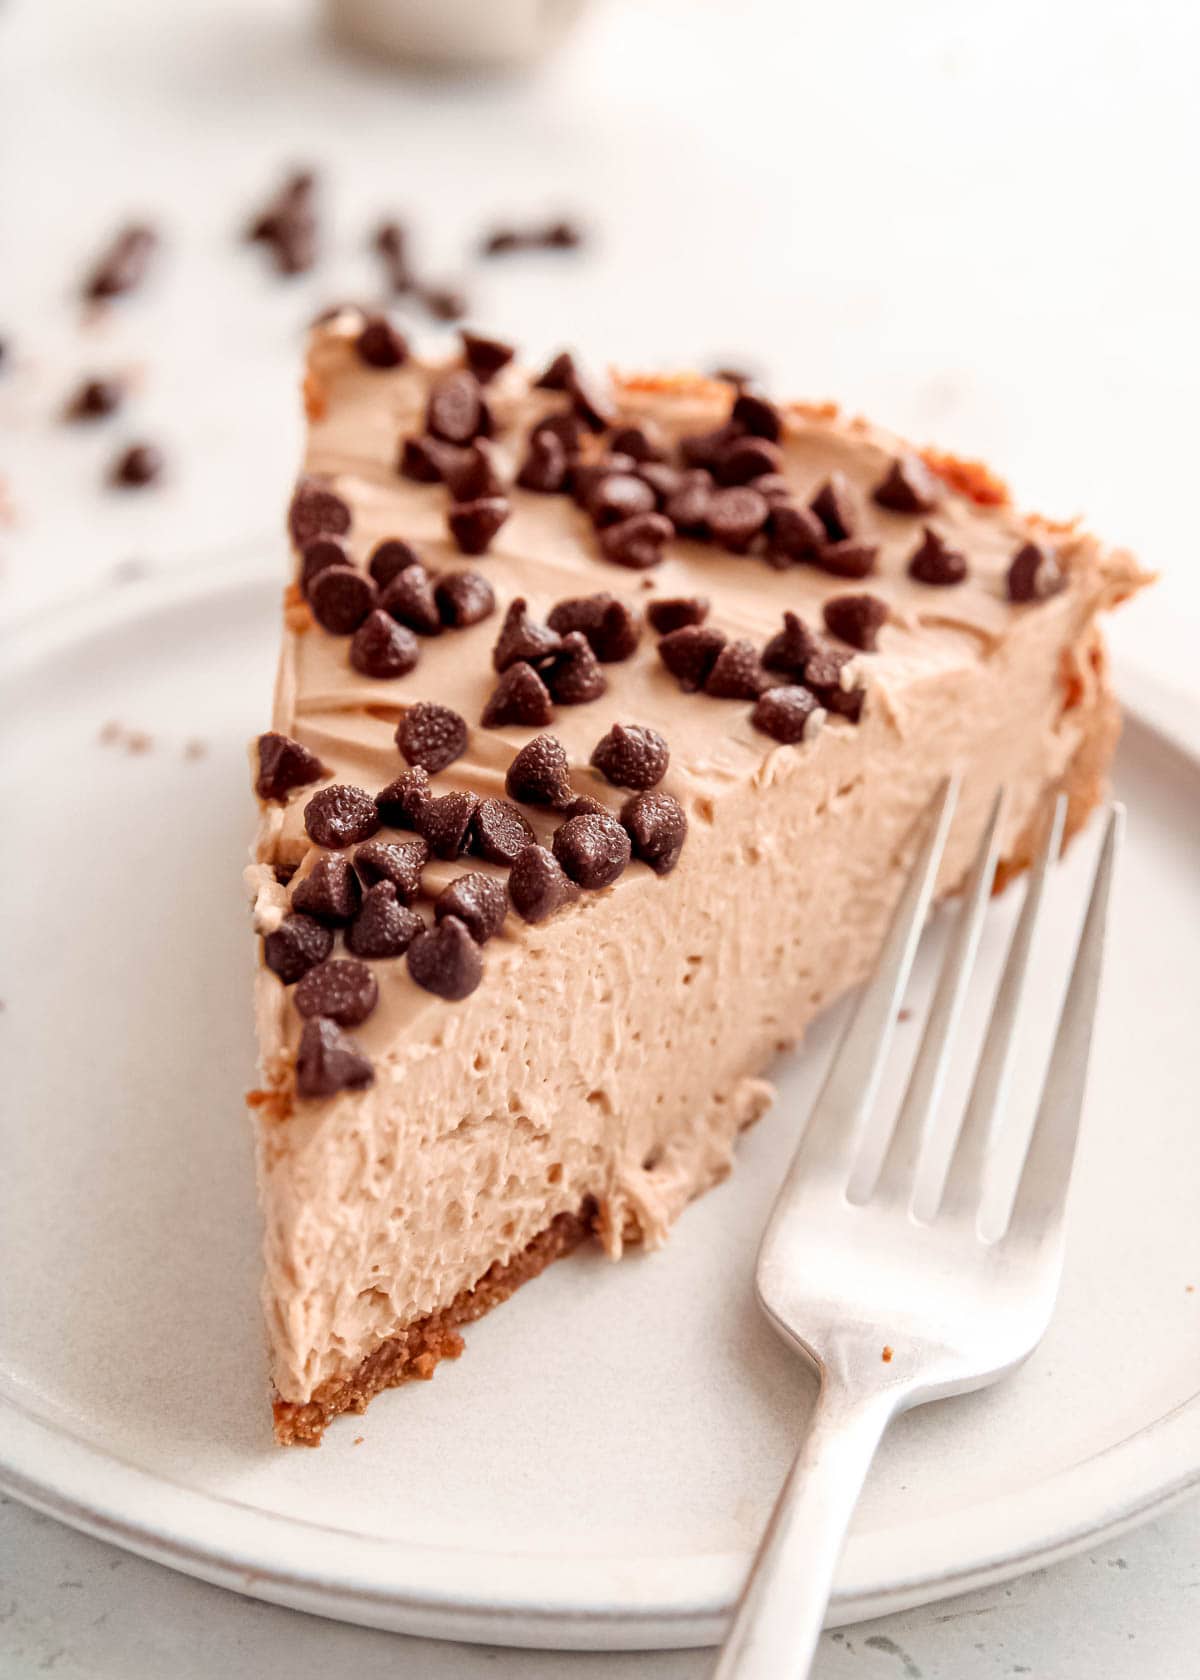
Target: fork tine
<point>963,1186</point>
<point>1042,1188</point>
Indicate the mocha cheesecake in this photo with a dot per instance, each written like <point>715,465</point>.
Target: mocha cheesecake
<point>605,723</point>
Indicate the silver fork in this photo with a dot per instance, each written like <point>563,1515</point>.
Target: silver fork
<point>895,1309</point>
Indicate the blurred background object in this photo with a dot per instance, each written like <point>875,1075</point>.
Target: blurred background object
<point>501,34</point>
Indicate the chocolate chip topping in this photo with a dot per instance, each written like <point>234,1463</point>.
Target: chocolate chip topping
<point>520,697</point>
<point>583,805</point>
<point>690,654</point>
<point>122,265</point>
<point>522,637</point>
<point>401,802</point>
<point>463,599</point>
<point>593,850</point>
<point>379,345</point>
<point>339,816</point>
<point>538,774</point>
<point>638,542</point>
<point>479,901</point>
<point>343,990</point>
<point>288,224</point>
<point>1034,574</point>
<point>474,473</point>
<point>823,674</point>
<point>790,648</point>
<point>425,460</point>
<point>641,443</point>
<point>704,449</point>
<point>456,412</point>
<point>340,598</point>
<point>382,648</point>
<point>558,375</point>
<point>587,476</point>
<point>320,553</point>
<point>283,764</point>
<point>410,599</point>
<point>397,861</point>
<point>631,756</point>
<point>391,243</point>
<point>687,506</point>
<point>499,832</point>
<point>296,945</point>
<point>316,511</point>
<point>795,532</point>
<point>662,478</point>
<point>330,891</point>
<point>485,356</point>
<point>431,736</point>
<point>746,460</point>
<point>833,505</point>
<point>474,524</point>
<point>619,496</point>
<point>908,487</point>
<point>754,414</point>
<point>445,960</point>
<point>849,559</point>
<point>657,828</point>
<point>327,1062</point>
<point>383,927</point>
<point>856,619</point>
<point>445,823</point>
<point>789,714</point>
<point>574,676</point>
<point>774,486</point>
<point>735,517</point>
<point>95,399</point>
<point>389,558</point>
<point>537,885</point>
<point>137,466</point>
<point>674,612</point>
<point>935,562</point>
<point>737,674</point>
<point>545,466</point>
<point>610,626</point>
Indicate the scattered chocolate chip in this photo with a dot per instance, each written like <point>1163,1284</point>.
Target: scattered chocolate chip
<point>564,426</point>
<point>537,885</point>
<point>638,542</point>
<point>704,449</point>
<point>445,823</point>
<point>593,850</point>
<point>340,598</point>
<point>737,674</point>
<point>296,945</point>
<point>339,816</point>
<point>283,764</point>
<point>499,832</point>
<point>474,524</point>
<point>485,356</point>
<point>389,558</point>
<point>330,891</point>
<point>735,517</point>
<point>463,599</point>
<point>425,459</point>
<point>823,674</point>
<point>795,533</point>
<point>935,562</point>
<point>640,443</point>
<point>687,508</point>
<point>520,697</point>
<point>318,554</point>
<point>288,224</point>
<point>401,802</point>
<point>327,1062</point>
<point>383,927</point>
<point>564,374</point>
<point>379,345</point>
<point>665,480</point>
<point>382,648</point>
<point>431,736</point>
<point>397,861</point>
<point>123,263</point>
<point>538,774</point>
<point>502,242</point>
<point>748,459</point>
<point>574,676</point>
<point>445,960</point>
<point>583,805</point>
<point>774,486</point>
<point>476,474</point>
<point>690,654</point>
<point>137,466</point>
<point>411,600</point>
<point>847,559</point>
<point>558,375</point>
<point>479,901</point>
<point>456,412</point>
<point>315,511</point>
<point>674,612</point>
<point>631,756</point>
<point>657,828</point>
<point>95,399</point>
<point>909,486</point>
<point>545,466</point>
<point>343,990</point>
<point>523,638</point>
<point>619,496</point>
<point>1034,574</point>
<point>833,505</point>
<point>856,619</point>
<point>754,414</point>
<point>789,714</point>
<point>445,303</point>
<point>791,647</point>
<point>561,236</point>
<point>391,243</point>
<point>588,476</point>
<point>610,626</point>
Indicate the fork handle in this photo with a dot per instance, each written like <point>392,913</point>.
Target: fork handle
<point>779,1617</point>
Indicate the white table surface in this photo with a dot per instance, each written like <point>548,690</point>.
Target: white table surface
<point>977,226</point>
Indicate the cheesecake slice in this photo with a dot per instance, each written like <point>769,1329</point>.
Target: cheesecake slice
<point>605,723</point>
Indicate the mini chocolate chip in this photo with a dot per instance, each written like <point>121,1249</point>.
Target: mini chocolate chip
<point>631,756</point>
<point>619,496</point>
<point>330,891</point>
<point>687,508</point>
<point>704,449</point>
<point>664,480</point>
<point>538,774</point>
<point>431,736</point>
<point>95,399</point>
<point>935,562</point>
<point>638,542</point>
<point>592,850</point>
<point>1034,574</point>
<point>474,473</point>
<point>856,619</point>
<point>522,637</point>
<point>445,303</point>
<point>676,611</point>
<point>640,443</point>
<point>296,945</point>
<point>690,654</point>
<point>328,1061</point>
<point>503,241</point>
<point>791,647</point>
<point>561,236</point>
<point>847,559</point>
<point>425,460</point>
<point>389,558</point>
<point>283,764</point>
<point>564,426</point>
<point>610,626</point>
<point>137,466</point>
<point>379,345</point>
<point>588,402</point>
<point>795,533</point>
<point>499,832</point>
<point>545,466</point>
<point>397,861</point>
<point>340,598</point>
<point>520,697</point>
<point>485,356</point>
<point>288,224</point>
<point>479,901</point>
<point>735,517</point>
<point>774,486</point>
<point>574,676</point>
<point>747,459</point>
<point>732,375</point>
<point>909,486</point>
<point>823,674</point>
<point>122,265</point>
<point>382,648</point>
<point>383,927</point>
<point>411,600</point>
<point>588,476</point>
<point>757,416</point>
<point>464,598</point>
<point>833,505</point>
<point>789,714</point>
<point>456,412</point>
<point>401,802</point>
<point>737,674</point>
<point>391,243</point>
<point>657,827</point>
<point>474,524</point>
<point>316,511</point>
<point>583,805</point>
<point>445,823</point>
<point>445,960</point>
<point>318,554</point>
<point>339,816</point>
<point>343,990</point>
<point>537,885</point>
<point>558,375</point>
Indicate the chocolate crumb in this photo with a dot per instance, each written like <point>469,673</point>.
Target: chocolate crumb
<point>411,600</point>
<point>520,697</point>
<point>431,736</point>
<point>315,511</point>
<point>330,891</point>
<point>384,927</point>
<point>379,345</point>
<point>445,823</point>
<point>401,802</point>
<point>1034,575</point>
<point>638,542</point>
<point>676,612</point>
<point>397,861</point>
<point>856,619</point>
<point>445,960</point>
<point>936,563</point>
<point>456,412</point>
<point>690,654</point>
<point>340,815</point>
<point>908,487</point>
<point>382,648</point>
<point>737,673</point>
<point>789,714</point>
<point>341,598</point>
<point>545,466</point>
<point>95,399</point>
<point>849,559</point>
<point>296,945</point>
<point>343,990</point>
<point>631,756</point>
<point>538,775</point>
<point>283,872</point>
<point>789,648</point>
<point>574,676</point>
<point>463,599</point>
<point>833,505</point>
<point>138,465</point>
<point>523,638</point>
<point>474,524</point>
<point>657,828</point>
<point>499,832</point>
<point>479,901</point>
<point>327,1062</point>
<point>389,558</point>
<point>611,627</point>
<point>283,764</point>
<point>593,850</point>
<point>122,265</point>
<point>736,516</point>
<point>537,884</point>
<point>485,356</point>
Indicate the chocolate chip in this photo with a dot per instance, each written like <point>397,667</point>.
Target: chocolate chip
<point>791,647</point>
<point>445,303</point>
<point>592,850</point>
<point>288,224</point>
<point>687,508</point>
<point>789,714</point>
<point>327,1062</point>
<point>583,805</point>
<point>389,558</point>
<point>137,466</point>
<point>445,960</point>
<point>657,827</point>
<point>856,619</point>
<point>431,736</point>
<point>316,511</point>
<point>732,375</point>
<point>754,414</point>
<point>909,486</point>
<point>591,406</point>
<point>795,533</point>
<point>631,756</point>
<point>383,927</point>
<point>411,600</point>
<point>520,697</point>
<point>456,412</point>
<point>674,612</point>
<point>479,901</point>
<point>445,823</point>
<point>122,265</point>
<point>283,764</point>
<point>425,460</point>
<point>538,774</point>
<point>640,443</point>
<point>343,990</point>
<point>704,449</point>
<point>774,486</point>
<point>847,559</point>
<point>296,945</point>
<point>537,885</point>
<point>379,345</point>
<point>499,831</point>
<point>463,599</point>
<point>485,356</point>
<point>610,626</point>
<point>823,674</point>
<point>95,399</point>
<point>283,872</point>
<point>747,459</point>
<point>330,891</point>
<point>638,542</point>
<point>833,505</point>
<point>382,648</point>
<point>735,517</point>
<point>574,676</point>
<point>545,466</point>
<point>561,236</point>
<point>391,243</point>
<point>619,496</point>
<point>737,674</point>
<point>397,861</point>
<point>474,474</point>
<point>690,654</point>
<point>522,638</point>
<point>1034,574</point>
<point>558,375</point>
<point>340,598</point>
<point>401,802</point>
<point>935,562</point>
<point>564,426</point>
<point>502,242</point>
<point>474,524</point>
<point>318,554</point>
<point>339,816</point>
<point>665,481</point>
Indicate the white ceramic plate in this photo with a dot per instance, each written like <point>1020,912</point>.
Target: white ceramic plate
<point>595,1471</point>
